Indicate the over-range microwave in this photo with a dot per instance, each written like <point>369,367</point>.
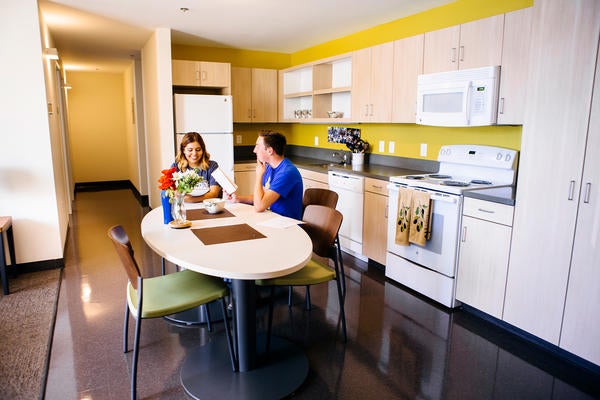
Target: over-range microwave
<point>467,97</point>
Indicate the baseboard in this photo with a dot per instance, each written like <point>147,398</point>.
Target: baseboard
<point>36,266</point>
<point>112,185</point>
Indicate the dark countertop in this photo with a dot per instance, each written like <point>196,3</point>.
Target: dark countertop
<point>502,195</point>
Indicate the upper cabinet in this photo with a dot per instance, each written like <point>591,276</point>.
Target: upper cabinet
<point>312,91</point>
<point>408,64</point>
<point>372,70</point>
<point>513,74</point>
<point>201,74</point>
<point>470,45</point>
<point>254,92</point>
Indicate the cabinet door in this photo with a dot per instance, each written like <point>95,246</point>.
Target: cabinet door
<point>375,226</point>
<point>408,64</point>
<point>551,159</point>
<point>264,95</point>
<point>513,75</point>
<point>482,266</point>
<point>241,92</point>
<point>215,74</point>
<point>185,73</point>
<point>440,50</point>
<point>245,178</point>
<point>481,42</point>
<point>581,330</point>
<point>361,84</point>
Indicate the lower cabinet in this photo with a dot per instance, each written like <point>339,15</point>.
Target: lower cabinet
<point>375,220</point>
<point>312,179</point>
<point>245,176</point>
<point>483,256</point>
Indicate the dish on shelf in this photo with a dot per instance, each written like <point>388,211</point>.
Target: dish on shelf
<point>335,114</point>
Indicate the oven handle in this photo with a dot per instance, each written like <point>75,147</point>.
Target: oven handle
<point>434,196</point>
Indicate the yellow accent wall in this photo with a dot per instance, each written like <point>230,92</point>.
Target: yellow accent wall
<point>98,127</point>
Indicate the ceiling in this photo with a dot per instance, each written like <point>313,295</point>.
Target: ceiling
<point>104,35</point>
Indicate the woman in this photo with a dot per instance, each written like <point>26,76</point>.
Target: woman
<point>192,154</point>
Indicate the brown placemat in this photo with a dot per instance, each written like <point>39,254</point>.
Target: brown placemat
<point>201,213</point>
<point>226,234</point>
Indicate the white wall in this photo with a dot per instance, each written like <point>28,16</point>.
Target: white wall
<point>158,108</point>
<point>32,185</point>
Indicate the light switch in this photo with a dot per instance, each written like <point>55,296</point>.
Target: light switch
<point>391,147</point>
<point>382,146</point>
<point>423,149</point>
<point>238,139</point>
<point>316,140</point>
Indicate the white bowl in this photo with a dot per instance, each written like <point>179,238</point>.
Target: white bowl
<point>214,206</point>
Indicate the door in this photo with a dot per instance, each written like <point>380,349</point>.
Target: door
<point>241,93</point>
<point>408,65</point>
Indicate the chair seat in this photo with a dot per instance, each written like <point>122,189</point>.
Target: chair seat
<point>314,272</point>
<point>176,292</point>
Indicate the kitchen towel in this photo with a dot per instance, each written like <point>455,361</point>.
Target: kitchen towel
<point>403,216</point>
<point>420,218</point>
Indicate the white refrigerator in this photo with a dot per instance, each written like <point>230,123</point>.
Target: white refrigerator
<point>212,117</point>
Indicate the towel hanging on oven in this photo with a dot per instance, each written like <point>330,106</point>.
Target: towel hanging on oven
<point>403,216</point>
<point>420,218</point>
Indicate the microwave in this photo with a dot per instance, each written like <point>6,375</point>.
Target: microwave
<point>467,97</point>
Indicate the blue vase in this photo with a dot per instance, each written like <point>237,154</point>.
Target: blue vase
<point>166,206</point>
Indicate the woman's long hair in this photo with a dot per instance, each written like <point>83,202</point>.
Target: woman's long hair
<point>182,162</point>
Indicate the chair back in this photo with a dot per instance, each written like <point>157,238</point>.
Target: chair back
<point>318,196</point>
<point>125,251</point>
<point>322,224</point>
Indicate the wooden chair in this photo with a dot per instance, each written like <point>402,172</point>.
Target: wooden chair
<point>322,225</point>
<point>6,227</point>
<point>163,295</point>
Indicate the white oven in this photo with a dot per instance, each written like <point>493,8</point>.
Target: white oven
<point>431,269</point>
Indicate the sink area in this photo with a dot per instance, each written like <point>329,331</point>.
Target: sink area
<point>326,165</point>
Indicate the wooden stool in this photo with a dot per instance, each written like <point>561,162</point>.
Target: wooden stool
<point>6,226</point>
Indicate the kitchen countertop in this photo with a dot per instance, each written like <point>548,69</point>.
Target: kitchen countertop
<point>502,195</point>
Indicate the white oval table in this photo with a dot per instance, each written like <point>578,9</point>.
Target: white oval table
<point>285,248</point>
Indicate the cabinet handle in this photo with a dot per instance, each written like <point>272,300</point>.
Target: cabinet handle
<point>254,113</point>
<point>464,234</point>
<point>249,113</point>
<point>453,54</point>
<point>197,75</point>
<point>366,110</point>
<point>588,190</point>
<point>461,53</point>
<point>486,211</point>
<point>571,190</point>
<point>203,75</point>
<point>371,114</point>
<point>386,210</point>
<point>501,107</point>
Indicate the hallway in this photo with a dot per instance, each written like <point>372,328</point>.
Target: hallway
<point>400,346</point>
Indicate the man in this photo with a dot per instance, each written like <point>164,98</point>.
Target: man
<point>278,182</point>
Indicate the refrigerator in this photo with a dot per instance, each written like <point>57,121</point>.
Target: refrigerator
<point>212,117</point>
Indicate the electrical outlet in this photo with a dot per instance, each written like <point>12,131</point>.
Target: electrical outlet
<point>316,140</point>
<point>423,149</point>
<point>382,146</point>
<point>391,147</point>
<point>238,139</point>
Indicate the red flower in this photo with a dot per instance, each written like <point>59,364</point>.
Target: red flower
<point>166,180</point>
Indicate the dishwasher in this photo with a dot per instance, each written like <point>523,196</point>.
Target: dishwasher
<point>350,189</point>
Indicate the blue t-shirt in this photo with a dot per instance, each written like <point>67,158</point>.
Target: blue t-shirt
<point>205,173</point>
<point>286,181</point>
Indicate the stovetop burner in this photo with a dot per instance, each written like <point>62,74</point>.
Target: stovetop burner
<point>416,177</point>
<point>455,183</point>
<point>439,176</point>
<point>480,182</point>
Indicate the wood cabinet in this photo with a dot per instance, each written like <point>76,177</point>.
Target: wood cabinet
<point>372,70</point>
<point>470,45</point>
<point>375,220</point>
<point>483,256</point>
<point>513,74</point>
<point>557,162</point>
<point>408,65</point>
<point>254,92</point>
<point>201,73</point>
<point>308,92</point>
<point>312,179</point>
<point>245,177</point>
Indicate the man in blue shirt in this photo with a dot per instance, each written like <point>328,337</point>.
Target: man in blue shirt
<point>278,182</point>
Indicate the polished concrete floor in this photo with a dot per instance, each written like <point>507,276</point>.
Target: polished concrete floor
<point>400,346</point>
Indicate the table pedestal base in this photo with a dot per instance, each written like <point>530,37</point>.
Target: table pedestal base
<point>206,372</point>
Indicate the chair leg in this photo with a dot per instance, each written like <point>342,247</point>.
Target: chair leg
<point>308,304</point>
<point>341,297</point>
<point>126,328</point>
<point>270,323</point>
<point>163,266</point>
<point>208,319</point>
<point>290,291</point>
<point>340,258</point>
<point>232,355</point>
<point>136,349</point>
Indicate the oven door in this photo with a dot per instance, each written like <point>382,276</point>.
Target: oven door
<point>440,252</point>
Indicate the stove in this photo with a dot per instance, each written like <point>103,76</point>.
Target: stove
<point>467,167</point>
<point>430,269</point>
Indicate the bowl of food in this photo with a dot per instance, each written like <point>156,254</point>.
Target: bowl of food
<point>200,189</point>
<point>214,206</point>
<point>335,114</point>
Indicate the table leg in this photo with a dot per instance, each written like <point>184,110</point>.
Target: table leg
<point>244,300</point>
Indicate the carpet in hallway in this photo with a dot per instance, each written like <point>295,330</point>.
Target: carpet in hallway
<point>27,317</point>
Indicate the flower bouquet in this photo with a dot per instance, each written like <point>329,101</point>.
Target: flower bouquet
<point>175,185</point>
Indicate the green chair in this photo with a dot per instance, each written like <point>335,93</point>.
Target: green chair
<point>163,295</point>
<point>322,225</point>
